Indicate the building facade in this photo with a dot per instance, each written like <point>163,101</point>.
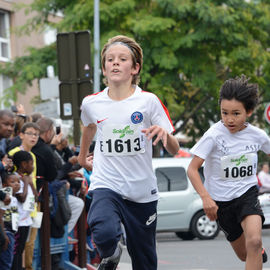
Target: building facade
<point>13,45</point>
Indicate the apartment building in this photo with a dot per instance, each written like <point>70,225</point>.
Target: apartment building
<point>13,45</point>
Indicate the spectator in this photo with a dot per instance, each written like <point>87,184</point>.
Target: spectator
<point>29,137</point>
<point>26,196</point>
<point>264,178</point>
<point>7,122</point>
<point>10,220</point>
<point>46,171</point>
<point>36,116</point>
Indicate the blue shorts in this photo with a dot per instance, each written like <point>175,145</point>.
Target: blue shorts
<point>108,210</point>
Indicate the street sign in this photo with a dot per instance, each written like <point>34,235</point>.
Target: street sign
<point>267,113</point>
<point>49,88</point>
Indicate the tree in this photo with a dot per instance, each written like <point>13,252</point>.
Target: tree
<point>190,48</point>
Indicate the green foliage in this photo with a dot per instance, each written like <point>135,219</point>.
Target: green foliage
<point>190,48</point>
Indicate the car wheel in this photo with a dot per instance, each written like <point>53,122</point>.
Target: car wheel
<point>185,235</point>
<point>203,228</point>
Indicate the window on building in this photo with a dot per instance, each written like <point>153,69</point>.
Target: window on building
<point>5,82</point>
<point>4,36</point>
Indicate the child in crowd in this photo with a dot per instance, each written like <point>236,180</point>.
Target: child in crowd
<point>29,135</point>
<point>229,149</point>
<point>26,196</point>
<point>9,220</point>
<point>123,184</point>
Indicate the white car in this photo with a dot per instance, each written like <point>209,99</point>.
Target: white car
<point>180,208</point>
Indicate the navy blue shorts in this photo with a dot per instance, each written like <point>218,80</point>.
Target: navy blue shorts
<point>108,210</point>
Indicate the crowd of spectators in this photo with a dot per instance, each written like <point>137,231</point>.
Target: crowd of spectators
<point>32,154</point>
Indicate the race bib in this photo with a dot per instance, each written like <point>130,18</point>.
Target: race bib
<point>122,140</point>
<point>29,204</point>
<point>238,167</point>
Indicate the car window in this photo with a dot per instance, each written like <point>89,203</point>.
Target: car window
<point>171,178</point>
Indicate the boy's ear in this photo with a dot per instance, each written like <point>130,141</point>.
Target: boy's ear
<point>249,113</point>
<point>136,69</point>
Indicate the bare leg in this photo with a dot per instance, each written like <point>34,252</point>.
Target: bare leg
<point>248,247</point>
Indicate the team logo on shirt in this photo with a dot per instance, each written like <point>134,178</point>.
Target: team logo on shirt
<point>136,117</point>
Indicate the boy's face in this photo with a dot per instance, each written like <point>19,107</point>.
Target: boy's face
<point>118,64</point>
<point>233,114</point>
<point>28,167</point>
<point>30,137</point>
<point>14,182</point>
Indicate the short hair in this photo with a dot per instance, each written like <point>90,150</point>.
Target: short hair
<point>45,124</point>
<point>29,125</point>
<point>136,53</point>
<point>21,156</point>
<point>7,113</point>
<point>36,116</point>
<point>6,175</point>
<point>240,90</point>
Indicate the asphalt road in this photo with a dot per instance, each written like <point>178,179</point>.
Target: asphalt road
<point>176,254</point>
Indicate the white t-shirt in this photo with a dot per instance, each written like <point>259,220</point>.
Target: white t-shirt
<point>123,155</point>
<point>25,215</point>
<point>230,159</point>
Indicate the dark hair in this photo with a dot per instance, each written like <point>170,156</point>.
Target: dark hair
<point>240,90</point>
<point>21,156</point>
<point>36,116</point>
<point>7,113</point>
<point>5,176</point>
<point>29,125</point>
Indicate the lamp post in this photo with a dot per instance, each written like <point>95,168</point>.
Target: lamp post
<point>96,47</point>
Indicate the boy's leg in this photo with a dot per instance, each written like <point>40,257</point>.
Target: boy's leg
<point>104,221</point>
<point>252,230</point>
<point>140,224</point>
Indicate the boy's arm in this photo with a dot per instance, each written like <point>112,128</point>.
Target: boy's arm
<point>209,206</point>
<point>22,196</point>
<point>87,137</point>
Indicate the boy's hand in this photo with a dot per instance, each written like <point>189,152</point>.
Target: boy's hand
<point>210,208</point>
<point>7,199</point>
<point>7,162</point>
<point>160,132</point>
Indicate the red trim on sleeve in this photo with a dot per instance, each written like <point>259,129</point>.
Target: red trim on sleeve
<point>164,108</point>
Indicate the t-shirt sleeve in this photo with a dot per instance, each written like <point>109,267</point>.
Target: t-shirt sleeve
<point>160,115</point>
<point>203,147</point>
<point>266,144</point>
<point>86,116</point>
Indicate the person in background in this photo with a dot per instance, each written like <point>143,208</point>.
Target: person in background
<point>9,220</point>
<point>229,153</point>
<point>26,196</point>
<point>264,178</point>
<point>29,136</point>
<point>7,122</point>
<point>36,116</point>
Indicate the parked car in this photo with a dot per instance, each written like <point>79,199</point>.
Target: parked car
<point>180,207</point>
